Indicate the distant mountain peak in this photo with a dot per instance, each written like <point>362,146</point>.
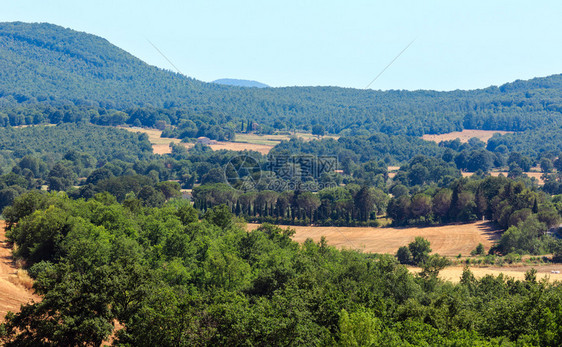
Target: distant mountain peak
<point>240,83</point>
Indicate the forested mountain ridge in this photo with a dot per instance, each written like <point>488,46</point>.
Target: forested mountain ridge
<point>45,63</point>
<point>240,83</point>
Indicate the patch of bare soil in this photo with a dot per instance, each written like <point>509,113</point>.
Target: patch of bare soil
<point>464,135</point>
<point>15,285</point>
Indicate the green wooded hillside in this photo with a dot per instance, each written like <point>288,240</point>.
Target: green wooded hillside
<point>45,63</point>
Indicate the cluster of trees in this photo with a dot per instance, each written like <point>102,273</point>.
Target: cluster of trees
<point>493,198</point>
<point>172,276</point>
<point>179,123</point>
<point>344,206</point>
<point>213,125</point>
<point>107,159</point>
<point>516,151</point>
<point>541,142</point>
<point>35,114</point>
<point>526,214</point>
<point>51,143</point>
<point>423,170</point>
<point>360,148</point>
<point>553,183</point>
<point>127,188</point>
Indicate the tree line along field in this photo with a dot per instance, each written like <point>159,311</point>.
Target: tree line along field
<point>548,272</point>
<point>161,145</point>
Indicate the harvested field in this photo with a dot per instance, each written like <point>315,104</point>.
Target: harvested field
<point>464,135</point>
<point>236,146</point>
<point>14,284</point>
<point>454,273</point>
<point>276,139</point>
<point>241,146</point>
<point>392,170</point>
<point>160,145</point>
<point>244,142</point>
<point>261,143</point>
<point>447,240</point>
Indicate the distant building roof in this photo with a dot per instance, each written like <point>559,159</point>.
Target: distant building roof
<point>205,140</point>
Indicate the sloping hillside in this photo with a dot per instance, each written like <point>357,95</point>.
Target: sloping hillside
<point>52,65</point>
<point>45,62</point>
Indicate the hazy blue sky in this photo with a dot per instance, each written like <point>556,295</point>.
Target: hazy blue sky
<point>459,45</point>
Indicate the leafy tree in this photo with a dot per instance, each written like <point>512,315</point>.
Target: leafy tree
<point>360,328</point>
<point>151,197</point>
<point>169,189</point>
<point>318,130</point>
<point>404,255</point>
<point>433,264</point>
<point>219,216</point>
<point>479,250</point>
<point>187,214</point>
<point>546,165</point>
<point>420,249</point>
<point>61,177</point>
<point>421,205</point>
<point>98,175</point>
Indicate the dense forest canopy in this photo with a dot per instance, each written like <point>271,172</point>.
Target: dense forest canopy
<point>103,143</point>
<point>50,65</point>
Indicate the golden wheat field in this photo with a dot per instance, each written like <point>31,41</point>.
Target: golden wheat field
<point>447,240</point>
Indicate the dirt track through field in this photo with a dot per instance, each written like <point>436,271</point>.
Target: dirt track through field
<point>12,294</point>
<point>447,240</point>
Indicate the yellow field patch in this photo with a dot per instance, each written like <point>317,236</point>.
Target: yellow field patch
<point>243,142</point>
<point>448,240</point>
<point>464,135</point>
<point>517,271</point>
